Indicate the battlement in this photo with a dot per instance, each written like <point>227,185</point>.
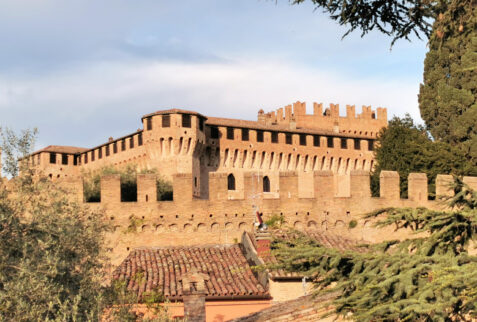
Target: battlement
<point>295,116</point>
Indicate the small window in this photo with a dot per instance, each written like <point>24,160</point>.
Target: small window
<point>139,139</point>
<point>64,159</point>
<point>75,160</point>
<point>316,140</point>
<point>244,134</point>
<point>86,157</point>
<point>149,123</point>
<point>201,124</point>
<point>39,158</point>
<point>344,143</point>
<point>302,139</point>
<point>259,136</point>
<point>107,150</point>
<point>214,132</point>
<point>231,182</point>
<point>230,133</point>
<point>123,145</point>
<point>100,153</point>
<point>93,155</point>
<point>166,121</point>
<point>115,147</point>
<point>288,138</point>
<point>357,144</point>
<point>274,137</point>
<point>186,120</point>
<point>329,141</point>
<point>371,145</point>
<point>266,184</point>
<point>131,142</point>
<point>52,158</point>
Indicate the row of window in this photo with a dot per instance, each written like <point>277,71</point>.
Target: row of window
<point>166,122</point>
<point>64,158</point>
<point>214,133</point>
<point>231,183</point>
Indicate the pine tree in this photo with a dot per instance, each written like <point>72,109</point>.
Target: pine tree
<point>448,96</point>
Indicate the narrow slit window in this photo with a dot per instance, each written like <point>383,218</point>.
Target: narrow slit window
<point>107,150</point>
<point>115,147</point>
<point>93,155</point>
<point>75,160</point>
<point>100,153</point>
<point>86,157</point>
<point>139,139</point>
<point>266,184</point>
<point>123,145</point>
<point>149,124</point>
<point>131,142</point>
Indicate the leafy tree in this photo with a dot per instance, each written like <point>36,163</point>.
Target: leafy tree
<point>52,250</point>
<point>406,147</point>
<point>428,277</point>
<point>448,96</point>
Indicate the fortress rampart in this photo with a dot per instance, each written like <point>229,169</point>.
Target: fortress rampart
<point>306,200</point>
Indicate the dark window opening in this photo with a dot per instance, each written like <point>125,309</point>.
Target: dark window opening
<point>344,143</point>
<point>371,145</point>
<point>274,137</point>
<point>52,157</point>
<point>139,139</point>
<point>166,121</point>
<point>64,159</point>
<point>123,145</point>
<point>100,152</point>
<point>107,150</point>
<point>316,140</point>
<point>259,136</point>
<point>357,144</point>
<point>288,138</point>
<point>266,184</point>
<point>149,123</point>
<point>329,141</point>
<point>201,124</point>
<point>244,134</point>
<point>231,182</point>
<point>131,142</point>
<point>214,132</point>
<point>186,120</point>
<point>86,157</point>
<point>115,147</point>
<point>93,155</point>
<point>75,160</point>
<point>302,139</point>
<point>128,190</point>
<point>230,133</point>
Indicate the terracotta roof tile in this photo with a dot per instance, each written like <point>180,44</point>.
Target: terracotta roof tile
<point>61,149</point>
<point>173,111</point>
<point>229,272</point>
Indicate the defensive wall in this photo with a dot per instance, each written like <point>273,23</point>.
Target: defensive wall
<point>306,200</point>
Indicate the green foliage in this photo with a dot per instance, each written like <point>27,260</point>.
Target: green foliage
<point>16,147</point>
<point>448,96</point>
<point>128,174</point>
<point>428,277</point>
<point>405,147</point>
<point>352,224</point>
<point>275,221</point>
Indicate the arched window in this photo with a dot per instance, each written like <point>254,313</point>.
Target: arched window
<point>266,184</point>
<point>231,182</point>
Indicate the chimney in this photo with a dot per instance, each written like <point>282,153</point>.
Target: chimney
<point>193,291</point>
<point>263,241</point>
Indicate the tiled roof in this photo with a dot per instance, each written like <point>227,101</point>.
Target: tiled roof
<point>61,149</point>
<point>218,121</point>
<point>173,111</point>
<point>305,308</point>
<point>230,276</point>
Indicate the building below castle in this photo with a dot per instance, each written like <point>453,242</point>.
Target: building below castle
<point>178,141</point>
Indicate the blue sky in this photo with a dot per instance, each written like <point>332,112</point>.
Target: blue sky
<point>84,70</point>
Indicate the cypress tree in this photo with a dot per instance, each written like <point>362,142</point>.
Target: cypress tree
<point>448,95</point>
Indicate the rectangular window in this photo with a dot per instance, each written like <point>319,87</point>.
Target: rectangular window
<point>86,157</point>
<point>274,137</point>
<point>302,139</point>
<point>39,159</point>
<point>115,147</point>
<point>201,124</point>
<point>100,153</point>
<point>107,150</point>
<point>371,145</point>
<point>344,143</point>
<point>329,141</point>
<point>230,133</point>
<point>186,122</point>
<point>214,132</point>
<point>259,136</point>
<point>288,138</point>
<point>244,134</point>
<point>64,159</point>
<point>75,160</point>
<point>131,142</point>
<point>139,139</point>
<point>52,157</point>
<point>166,121</point>
<point>123,145</point>
<point>93,155</point>
<point>149,123</point>
<point>316,140</point>
<point>357,144</point>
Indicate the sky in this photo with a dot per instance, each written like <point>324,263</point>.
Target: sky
<point>82,71</point>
